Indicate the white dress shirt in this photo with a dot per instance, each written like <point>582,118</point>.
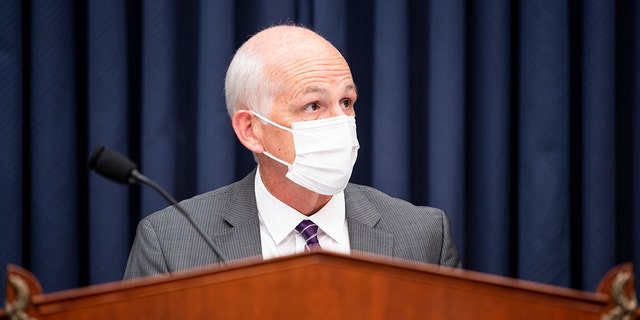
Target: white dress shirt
<point>278,221</point>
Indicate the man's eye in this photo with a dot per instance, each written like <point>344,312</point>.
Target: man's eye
<point>311,107</point>
<point>346,103</point>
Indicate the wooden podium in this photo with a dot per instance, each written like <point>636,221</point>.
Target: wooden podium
<point>323,285</point>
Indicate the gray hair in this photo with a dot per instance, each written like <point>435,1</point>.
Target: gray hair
<point>247,85</point>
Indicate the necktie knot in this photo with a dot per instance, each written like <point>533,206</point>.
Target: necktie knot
<point>309,232</point>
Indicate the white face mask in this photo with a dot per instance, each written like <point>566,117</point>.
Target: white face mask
<point>326,151</point>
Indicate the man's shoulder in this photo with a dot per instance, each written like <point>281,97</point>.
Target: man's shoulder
<point>239,188</point>
<point>210,202</point>
<point>385,203</point>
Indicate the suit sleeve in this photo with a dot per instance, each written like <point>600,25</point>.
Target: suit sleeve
<point>449,254</point>
<point>146,256</point>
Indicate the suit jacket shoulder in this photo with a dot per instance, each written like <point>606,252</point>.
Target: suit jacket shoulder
<point>384,225</point>
<point>165,240</point>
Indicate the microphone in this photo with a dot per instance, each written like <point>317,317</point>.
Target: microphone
<point>113,165</point>
<point>121,169</point>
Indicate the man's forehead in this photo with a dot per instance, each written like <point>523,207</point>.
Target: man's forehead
<point>324,89</point>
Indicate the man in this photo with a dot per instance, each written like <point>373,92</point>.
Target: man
<point>290,95</point>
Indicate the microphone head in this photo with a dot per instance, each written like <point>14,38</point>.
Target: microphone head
<point>112,165</point>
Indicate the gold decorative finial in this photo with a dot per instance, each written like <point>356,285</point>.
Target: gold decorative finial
<point>16,310</point>
<point>625,307</point>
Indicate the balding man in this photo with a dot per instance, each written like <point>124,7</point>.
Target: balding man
<point>291,96</point>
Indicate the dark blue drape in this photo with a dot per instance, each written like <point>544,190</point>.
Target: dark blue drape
<point>520,119</point>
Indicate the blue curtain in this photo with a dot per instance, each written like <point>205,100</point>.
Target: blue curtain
<point>520,119</point>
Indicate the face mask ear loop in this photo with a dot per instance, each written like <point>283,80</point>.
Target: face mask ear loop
<point>271,122</point>
<point>276,159</point>
<point>266,153</point>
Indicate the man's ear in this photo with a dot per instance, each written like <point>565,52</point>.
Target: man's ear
<point>248,130</point>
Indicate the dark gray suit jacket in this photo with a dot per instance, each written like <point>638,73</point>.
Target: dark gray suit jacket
<point>377,223</point>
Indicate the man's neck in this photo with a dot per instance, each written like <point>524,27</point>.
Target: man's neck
<point>297,197</point>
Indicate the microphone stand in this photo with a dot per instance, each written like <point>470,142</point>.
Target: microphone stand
<point>139,177</point>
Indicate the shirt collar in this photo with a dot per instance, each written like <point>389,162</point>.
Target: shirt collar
<point>280,219</point>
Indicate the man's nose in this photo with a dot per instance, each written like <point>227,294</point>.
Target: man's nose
<point>337,110</point>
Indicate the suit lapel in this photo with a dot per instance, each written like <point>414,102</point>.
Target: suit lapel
<point>241,239</point>
<point>362,218</point>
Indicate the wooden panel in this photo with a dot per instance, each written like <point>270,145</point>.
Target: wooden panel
<point>322,285</point>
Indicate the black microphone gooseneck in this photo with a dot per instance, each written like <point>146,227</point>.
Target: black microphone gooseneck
<point>119,168</point>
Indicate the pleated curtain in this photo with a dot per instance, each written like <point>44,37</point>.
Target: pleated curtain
<point>520,119</point>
